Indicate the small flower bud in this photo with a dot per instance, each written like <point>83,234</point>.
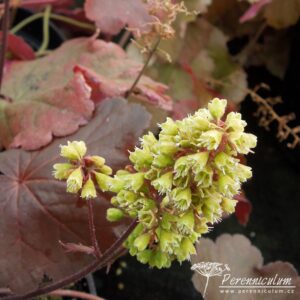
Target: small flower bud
<point>106,170</point>
<point>185,250</point>
<point>211,139</point>
<point>114,214</point>
<point>204,178</point>
<point>201,227</point>
<point>227,185</point>
<point>160,260</point>
<point>185,223</point>
<point>169,127</point>
<point>89,190</point>
<point>243,172</point>
<point>217,107</point>
<point>126,197</point>
<point>208,213</point>
<point>168,240</point>
<point>168,148</point>
<point>98,161</point>
<point>245,143</point>
<point>147,218</point>
<point>152,173</point>
<point>203,113</point>
<point>228,205</point>
<point>167,221</point>
<point>225,162</point>
<point>144,256</point>
<point>141,158</point>
<point>198,124</point>
<point>105,182</point>
<point>147,203</point>
<point>182,166</point>
<point>164,183</point>
<point>148,141</point>
<point>162,161</point>
<point>74,181</point>
<point>198,161</point>
<point>74,150</point>
<point>62,171</point>
<point>234,122</point>
<point>132,181</point>
<point>182,198</point>
<point>142,241</point>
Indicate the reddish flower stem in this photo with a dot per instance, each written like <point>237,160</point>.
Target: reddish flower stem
<point>5,26</point>
<point>92,229</point>
<point>74,294</point>
<point>151,53</point>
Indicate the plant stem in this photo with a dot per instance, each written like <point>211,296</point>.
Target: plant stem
<point>152,51</point>
<point>64,19</point>
<point>92,229</point>
<point>74,294</point>
<point>46,30</point>
<point>91,284</point>
<point>25,22</point>
<point>5,26</point>
<point>72,22</point>
<point>125,37</point>
<point>244,54</point>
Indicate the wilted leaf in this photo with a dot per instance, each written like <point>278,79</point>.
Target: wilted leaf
<point>37,213</point>
<point>282,14</point>
<point>112,16</point>
<point>244,260</point>
<point>47,98</point>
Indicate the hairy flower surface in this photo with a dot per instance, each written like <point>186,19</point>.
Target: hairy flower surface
<point>178,184</point>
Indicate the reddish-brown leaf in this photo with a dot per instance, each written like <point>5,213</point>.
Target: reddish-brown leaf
<point>18,48</point>
<point>37,213</point>
<point>31,124</point>
<point>243,209</point>
<point>112,16</point>
<point>51,96</point>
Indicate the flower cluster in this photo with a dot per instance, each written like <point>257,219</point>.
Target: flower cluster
<point>180,183</point>
<point>81,171</point>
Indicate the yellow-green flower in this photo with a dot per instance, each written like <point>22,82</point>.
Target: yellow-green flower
<point>89,190</point>
<point>74,150</point>
<point>74,181</point>
<point>62,171</point>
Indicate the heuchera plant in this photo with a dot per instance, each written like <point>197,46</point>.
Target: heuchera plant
<point>178,184</point>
